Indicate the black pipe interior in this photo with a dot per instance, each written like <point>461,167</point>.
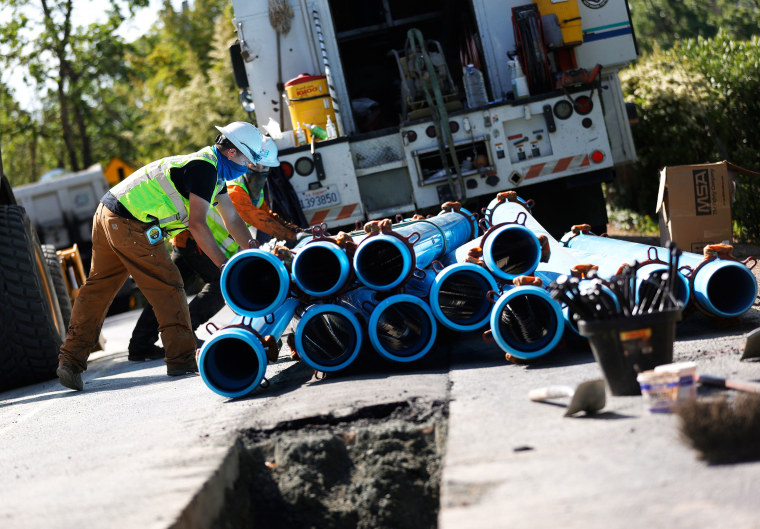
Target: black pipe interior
<point>731,290</point>
<point>462,298</point>
<point>404,328</point>
<point>231,364</point>
<point>380,263</point>
<point>317,269</point>
<point>253,284</point>
<point>514,252</point>
<point>526,321</point>
<point>329,338</point>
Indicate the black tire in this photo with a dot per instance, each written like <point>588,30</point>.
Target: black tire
<point>31,325</point>
<point>59,282</point>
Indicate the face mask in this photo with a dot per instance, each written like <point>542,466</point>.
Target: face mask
<point>256,180</point>
<point>226,169</point>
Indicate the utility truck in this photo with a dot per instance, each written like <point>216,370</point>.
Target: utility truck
<point>402,84</point>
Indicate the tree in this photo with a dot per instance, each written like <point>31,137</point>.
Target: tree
<point>185,84</point>
<point>68,65</point>
<point>663,23</point>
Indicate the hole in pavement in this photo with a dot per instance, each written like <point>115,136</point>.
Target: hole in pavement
<point>378,467</point>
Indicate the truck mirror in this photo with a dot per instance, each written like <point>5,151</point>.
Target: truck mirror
<point>238,65</point>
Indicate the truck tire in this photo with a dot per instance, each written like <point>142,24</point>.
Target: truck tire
<point>61,290</point>
<point>31,325</point>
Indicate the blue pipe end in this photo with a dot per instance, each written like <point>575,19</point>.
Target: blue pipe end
<point>321,268</point>
<point>328,337</point>
<point>402,328</point>
<point>510,251</point>
<point>232,362</point>
<point>382,262</point>
<point>458,297</point>
<point>526,322</point>
<point>254,283</point>
<point>725,288</point>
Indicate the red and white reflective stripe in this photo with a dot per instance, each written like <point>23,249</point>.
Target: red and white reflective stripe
<point>336,213</point>
<point>563,164</point>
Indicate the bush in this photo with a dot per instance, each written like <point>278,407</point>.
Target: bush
<point>697,103</point>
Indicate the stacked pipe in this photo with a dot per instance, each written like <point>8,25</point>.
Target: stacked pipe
<point>388,287</point>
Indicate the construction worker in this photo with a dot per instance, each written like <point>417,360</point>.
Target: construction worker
<point>247,193</point>
<point>192,263</point>
<point>159,200</point>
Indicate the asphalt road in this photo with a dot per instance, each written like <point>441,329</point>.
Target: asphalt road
<point>138,449</point>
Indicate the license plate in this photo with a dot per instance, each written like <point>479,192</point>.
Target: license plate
<point>319,198</point>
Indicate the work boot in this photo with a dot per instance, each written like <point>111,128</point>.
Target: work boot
<point>141,354</point>
<point>188,368</point>
<point>69,378</point>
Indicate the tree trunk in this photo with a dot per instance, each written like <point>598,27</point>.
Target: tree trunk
<point>84,138</point>
<point>68,137</point>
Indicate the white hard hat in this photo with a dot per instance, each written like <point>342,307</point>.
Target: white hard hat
<point>268,153</point>
<point>245,137</point>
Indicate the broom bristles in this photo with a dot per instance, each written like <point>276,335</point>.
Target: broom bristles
<point>722,430</point>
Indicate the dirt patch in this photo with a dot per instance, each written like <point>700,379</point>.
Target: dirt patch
<point>379,467</point>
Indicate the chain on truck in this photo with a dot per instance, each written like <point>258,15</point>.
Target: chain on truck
<point>438,101</point>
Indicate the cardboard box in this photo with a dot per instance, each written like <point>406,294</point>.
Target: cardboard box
<point>694,204</point>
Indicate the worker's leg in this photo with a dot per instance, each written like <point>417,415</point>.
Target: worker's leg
<point>159,280</point>
<point>209,300</point>
<point>142,343</point>
<point>144,335</point>
<point>107,275</point>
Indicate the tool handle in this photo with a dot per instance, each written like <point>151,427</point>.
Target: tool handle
<point>550,392</point>
<point>739,385</point>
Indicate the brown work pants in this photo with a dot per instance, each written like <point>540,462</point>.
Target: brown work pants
<point>120,249</point>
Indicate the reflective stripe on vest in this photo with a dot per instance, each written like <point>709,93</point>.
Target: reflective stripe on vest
<point>222,238</point>
<point>150,195</point>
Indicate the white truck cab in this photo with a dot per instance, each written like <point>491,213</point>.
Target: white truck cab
<point>394,78</point>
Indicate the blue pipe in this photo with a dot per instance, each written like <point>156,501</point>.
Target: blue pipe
<point>609,265</point>
<point>509,250</point>
<point>254,283</point>
<point>526,322</point>
<point>724,288</point>
<point>328,337</point>
<point>401,327</point>
<point>232,362</point>
<point>385,261</point>
<point>459,296</point>
<point>421,281</point>
<point>721,287</point>
<point>321,268</point>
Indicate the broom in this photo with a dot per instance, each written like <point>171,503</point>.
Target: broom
<point>722,430</point>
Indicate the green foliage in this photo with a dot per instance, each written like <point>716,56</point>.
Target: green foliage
<point>184,86</point>
<point>698,102</point>
<point>101,96</point>
<point>626,220</point>
<point>664,23</point>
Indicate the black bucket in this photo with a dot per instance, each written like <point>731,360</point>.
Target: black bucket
<point>624,347</point>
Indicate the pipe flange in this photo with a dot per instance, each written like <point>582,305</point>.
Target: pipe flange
<point>507,196</point>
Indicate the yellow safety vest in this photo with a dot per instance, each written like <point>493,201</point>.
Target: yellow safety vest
<point>149,194</point>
